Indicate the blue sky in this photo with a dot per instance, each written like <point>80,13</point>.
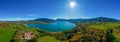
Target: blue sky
<point>30,9</point>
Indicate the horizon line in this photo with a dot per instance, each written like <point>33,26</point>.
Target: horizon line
<point>25,19</point>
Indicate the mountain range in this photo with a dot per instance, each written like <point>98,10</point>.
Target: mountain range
<point>98,19</point>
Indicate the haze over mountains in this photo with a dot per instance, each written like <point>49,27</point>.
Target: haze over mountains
<point>99,19</point>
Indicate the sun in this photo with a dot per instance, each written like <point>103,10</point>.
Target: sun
<point>72,4</point>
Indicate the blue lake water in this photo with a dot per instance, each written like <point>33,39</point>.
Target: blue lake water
<point>54,27</point>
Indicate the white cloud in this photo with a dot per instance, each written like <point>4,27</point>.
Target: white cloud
<point>15,19</point>
<point>32,15</point>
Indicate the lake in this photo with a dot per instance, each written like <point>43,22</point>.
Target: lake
<point>54,26</point>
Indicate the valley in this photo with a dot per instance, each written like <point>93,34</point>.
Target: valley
<point>83,32</point>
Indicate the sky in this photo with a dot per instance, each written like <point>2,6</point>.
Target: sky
<point>53,9</point>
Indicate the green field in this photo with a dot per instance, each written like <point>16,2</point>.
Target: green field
<point>6,35</point>
<point>48,39</point>
<point>105,25</point>
<point>117,37</point>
